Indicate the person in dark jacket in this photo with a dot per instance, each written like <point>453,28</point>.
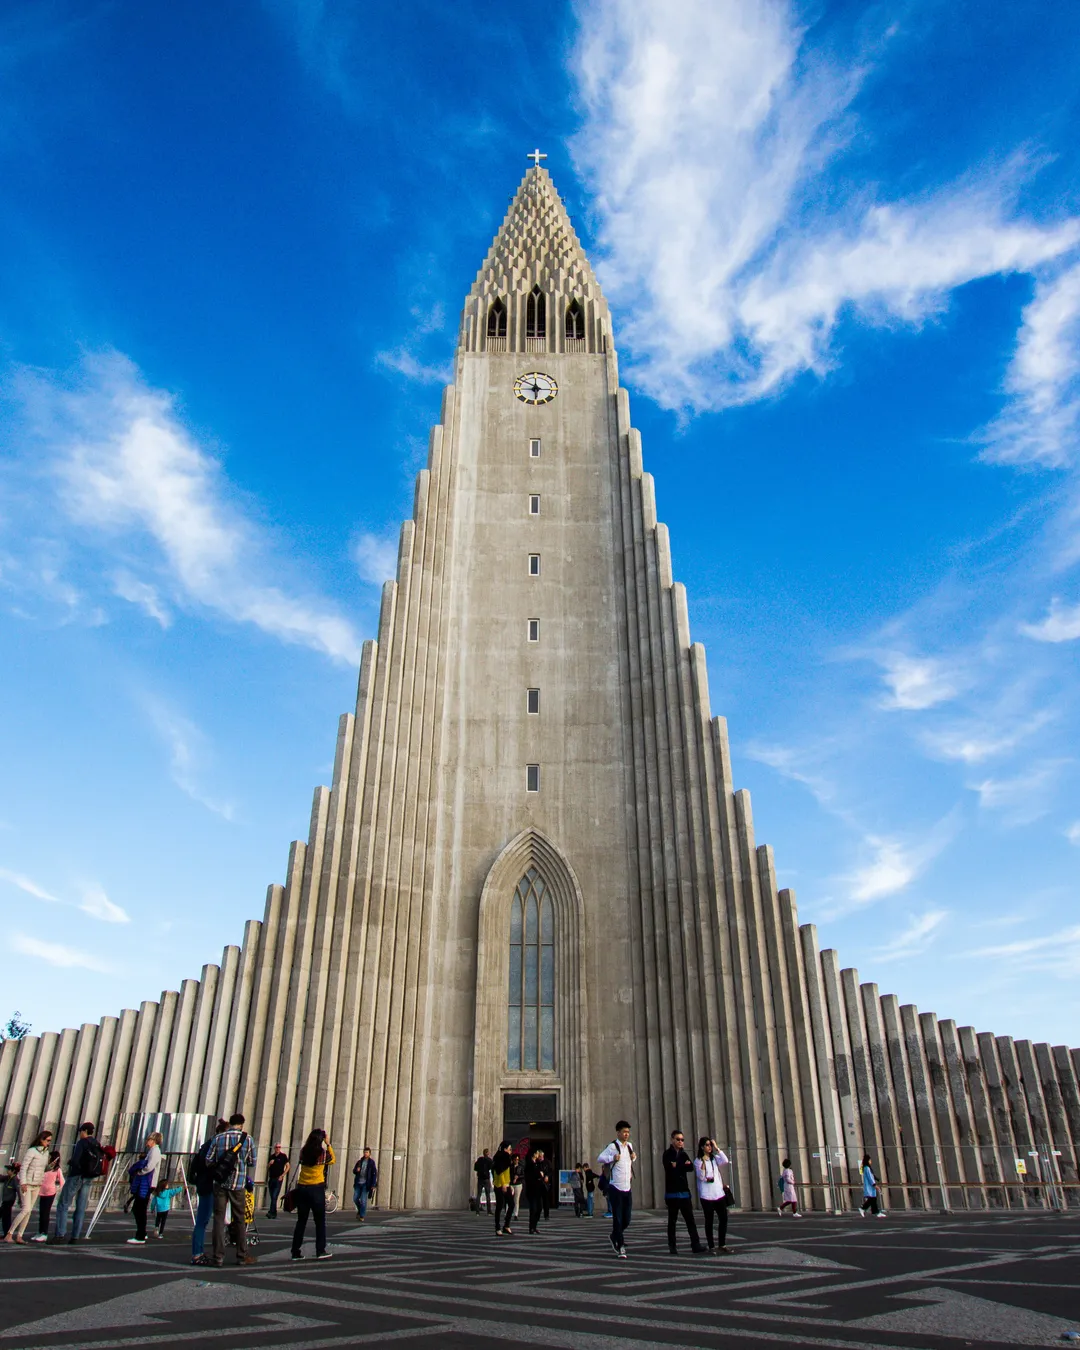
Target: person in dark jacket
<point>277,1169</point>
<point>502,1169</point>
<point>85,1165</point>
<point>365,1179</point>
<point>678,1168</point>
<point>482,1167</point>
<point>535,1187</point>
<point>9,1193</point>
<point>199,1177</point>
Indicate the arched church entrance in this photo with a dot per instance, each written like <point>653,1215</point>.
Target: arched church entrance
<point>530,1067</point>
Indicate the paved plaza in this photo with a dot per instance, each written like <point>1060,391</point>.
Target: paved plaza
<point>446,1280</point>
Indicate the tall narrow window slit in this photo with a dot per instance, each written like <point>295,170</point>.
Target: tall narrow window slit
<point>531,1022</point>
<point>536,314</point>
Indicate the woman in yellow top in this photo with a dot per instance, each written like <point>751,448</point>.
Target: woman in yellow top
<point>315,1157</point>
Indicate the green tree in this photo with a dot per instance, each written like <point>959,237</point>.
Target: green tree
<point>16,1028</point>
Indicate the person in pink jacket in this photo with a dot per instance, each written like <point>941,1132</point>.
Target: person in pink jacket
<point>51,1182</point>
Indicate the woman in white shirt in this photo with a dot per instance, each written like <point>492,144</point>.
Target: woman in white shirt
<point>711,1191</point>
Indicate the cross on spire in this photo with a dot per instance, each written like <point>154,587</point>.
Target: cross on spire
<point>536,157</point>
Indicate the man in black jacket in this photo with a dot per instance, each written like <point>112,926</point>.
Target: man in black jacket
<point>482,1168</point>
<point>678,1167</point>
<point>86,1165</point>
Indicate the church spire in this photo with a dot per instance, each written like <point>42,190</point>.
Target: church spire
<point>536,290</point>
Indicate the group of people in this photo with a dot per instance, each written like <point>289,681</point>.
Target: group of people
<point>501,1181</point>
<point>220,1173</point>
<point>38,1180</point>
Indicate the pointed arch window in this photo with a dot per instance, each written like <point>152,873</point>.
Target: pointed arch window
<point>536,314</point>
<point>531,1039</point>
<point>496,323</point>
<point>575,322</point>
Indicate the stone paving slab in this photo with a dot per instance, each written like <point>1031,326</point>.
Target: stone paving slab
<point>445,1280</point>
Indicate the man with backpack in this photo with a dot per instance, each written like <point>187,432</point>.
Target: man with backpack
<point>86,1166</point>
<point>619,1158</point>
<point>230,1161</point>
<point>199,1180</point>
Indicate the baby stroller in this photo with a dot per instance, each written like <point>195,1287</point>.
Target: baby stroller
<point>248,1221</point>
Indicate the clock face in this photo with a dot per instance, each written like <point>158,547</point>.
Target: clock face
<point>535,387</point>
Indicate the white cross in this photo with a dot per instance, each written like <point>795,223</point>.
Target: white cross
<point>536,157</point>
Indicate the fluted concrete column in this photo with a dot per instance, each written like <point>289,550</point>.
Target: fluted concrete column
<point>970,1162</point>
<point>1070,1101</point>
<point>159,1050</point>
<point>98,1075</point>
<point>907,1124</point>
<point>74,1088</point>
<point>134,1094</point>
<point>883,1095</point>
<point>990,1163</point>
<point>38,1086</point>
<point>191,1091</point>
<point>26,1054</point>
<point>236,1041</point>
<point>942,1101</point>
<point>172,1083</point>
<point>923,1100</point>
<point>116,1079</point>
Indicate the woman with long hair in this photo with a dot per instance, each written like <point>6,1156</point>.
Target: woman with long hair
<point>30,1177</point>
<point>871,1192</point>
<point>789,1196</point>
<point>50,1184</point>
<point>315,1157</point>
<point>713,1194</point>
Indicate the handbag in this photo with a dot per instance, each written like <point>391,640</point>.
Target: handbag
<point>729,1196</point>
<point>289,1203</point>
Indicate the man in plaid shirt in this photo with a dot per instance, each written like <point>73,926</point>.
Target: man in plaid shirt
<point>233,1141</point>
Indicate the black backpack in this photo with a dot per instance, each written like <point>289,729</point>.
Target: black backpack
<point>92,1162</point>
<point>222,1172</point>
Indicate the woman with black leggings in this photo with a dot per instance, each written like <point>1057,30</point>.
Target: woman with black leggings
<point>535,1187</point>
<point>712,1192</point>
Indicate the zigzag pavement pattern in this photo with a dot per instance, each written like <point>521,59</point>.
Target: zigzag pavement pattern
<point>446,1280</point>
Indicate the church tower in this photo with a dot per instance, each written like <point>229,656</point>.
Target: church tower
<point>531,901</point>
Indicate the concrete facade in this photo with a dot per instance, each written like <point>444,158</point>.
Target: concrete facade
<point>372,999</point>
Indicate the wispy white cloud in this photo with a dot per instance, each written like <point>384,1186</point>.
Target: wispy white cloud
<point>132,471</point>
<point>915,683</point>
<point>27,884</point>
<point>915,938</point>
<point>403,361</point>
<point>889,864</point>
<point>709,127</point>
<point>1062,624</point>
<point>1041,421</point>
<point>188,751</point>
<point>142,594</point>
<point>1055,953</point>
<point>98,905</point>
<point>376,558</point>
<point>54,954</point>
<point>975,741</point>
<point>1024,797</point>
<point>1072,832</point>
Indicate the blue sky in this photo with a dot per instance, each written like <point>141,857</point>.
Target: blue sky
<point>842,248</point>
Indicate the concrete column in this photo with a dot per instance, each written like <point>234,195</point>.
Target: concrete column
<point>176,1060</point>
<point>1054,1105</point>
<point>990,1162</point>
<point>9,1051</point>
<point>191,1091</point>
<point>943,1106</point>
<point>134,1095</point>
<point>862,1069</point>
<point>923,1101</point>
<point>94,1093</point>
<point>219,1033</point>
<point>56,1091</point>
<point>266,1110</point>
<point>36,1089</point>
<point>115,1078</point>
<point>1000,1115</point>
<point>812,1124</point>
<point>881,1077</point>
<point>159,1050</point>
<point>239,1017</point>
<point>845,1079</point>
<point>832,1137</point>
<point>794,1135</point>
<point>15,1105</point>
<point>907,1124</point>
<point>68,1119</point>
<point>1070,1101</point>
<point>970,1162</point>
<point>249,1089</point>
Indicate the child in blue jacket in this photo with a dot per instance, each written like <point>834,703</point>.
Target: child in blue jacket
<point>162,1203</point>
